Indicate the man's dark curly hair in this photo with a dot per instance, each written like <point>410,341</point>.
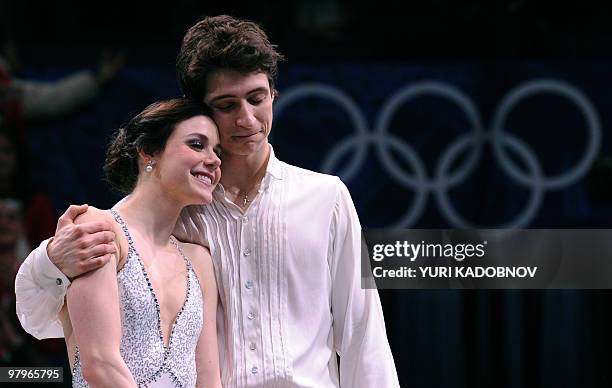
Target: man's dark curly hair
<point>223,42</point>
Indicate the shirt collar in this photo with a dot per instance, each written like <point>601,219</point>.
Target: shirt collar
<point>274,169</point>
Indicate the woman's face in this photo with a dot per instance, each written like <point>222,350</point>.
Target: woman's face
<point>188,167</point>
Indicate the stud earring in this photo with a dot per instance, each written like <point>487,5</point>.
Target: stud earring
<point>150,165</point>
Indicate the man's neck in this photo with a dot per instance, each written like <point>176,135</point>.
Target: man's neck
<point>242,172</point>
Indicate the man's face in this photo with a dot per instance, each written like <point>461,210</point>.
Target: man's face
<point>242,109</point>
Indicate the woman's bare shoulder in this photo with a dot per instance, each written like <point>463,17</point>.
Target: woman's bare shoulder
<point>198,255</point>
<point>94,214</point>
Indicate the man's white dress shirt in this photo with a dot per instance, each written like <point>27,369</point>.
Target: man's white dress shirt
<point>289,278</point>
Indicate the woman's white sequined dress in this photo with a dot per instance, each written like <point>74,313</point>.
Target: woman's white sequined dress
<point>142,346</point>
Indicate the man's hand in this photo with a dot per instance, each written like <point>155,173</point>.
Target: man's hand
<point>77,249</point>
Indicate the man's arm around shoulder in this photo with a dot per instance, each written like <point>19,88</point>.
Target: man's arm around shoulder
<point>40,288</point>
<point>42,279</point>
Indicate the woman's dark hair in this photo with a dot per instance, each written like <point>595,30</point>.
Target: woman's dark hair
<point>223,42</point>
<point>147,132</point>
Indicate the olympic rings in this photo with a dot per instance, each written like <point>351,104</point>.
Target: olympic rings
<point>443,180</point>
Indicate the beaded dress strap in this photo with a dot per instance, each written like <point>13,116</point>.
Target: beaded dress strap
<point>178,247</point>
<point>124,227</point>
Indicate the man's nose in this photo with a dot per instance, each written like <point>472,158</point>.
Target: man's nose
<point>246,118</point>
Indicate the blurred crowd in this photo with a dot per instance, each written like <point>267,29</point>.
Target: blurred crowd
<point>27,215</point>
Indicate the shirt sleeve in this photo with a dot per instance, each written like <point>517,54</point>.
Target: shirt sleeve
<point>45,100</point>
<point>359,328</point>
<point>40,288</point>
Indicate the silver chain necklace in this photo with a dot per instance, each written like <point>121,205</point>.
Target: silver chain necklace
<point>245,197</point>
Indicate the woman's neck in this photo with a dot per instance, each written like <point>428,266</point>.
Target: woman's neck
<point>152,214</point>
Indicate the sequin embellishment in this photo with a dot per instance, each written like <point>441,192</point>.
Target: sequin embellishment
<point>142,343</point>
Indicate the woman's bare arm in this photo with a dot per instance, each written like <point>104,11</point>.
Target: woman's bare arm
<point>207,351</point>
<point>93,306</point>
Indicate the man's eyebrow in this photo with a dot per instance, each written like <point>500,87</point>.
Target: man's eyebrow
<point>256,90</point>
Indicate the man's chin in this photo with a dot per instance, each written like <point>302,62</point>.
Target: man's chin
<point>246,148</point>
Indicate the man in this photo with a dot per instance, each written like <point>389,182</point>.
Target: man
<point>285,241</point>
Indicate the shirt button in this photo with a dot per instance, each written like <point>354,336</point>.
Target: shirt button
<point>254,370</point>
<point>248,284</point>
<point>251,316</point>
<point>246,252</point>
<point>252,346</point>
<point>244,219</point>
<point>58,281</point>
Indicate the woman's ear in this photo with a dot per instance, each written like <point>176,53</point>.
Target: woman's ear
<point>144,156</point>
<point>147,160</point>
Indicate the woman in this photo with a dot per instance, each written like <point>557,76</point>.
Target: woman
<point>147,317</point>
